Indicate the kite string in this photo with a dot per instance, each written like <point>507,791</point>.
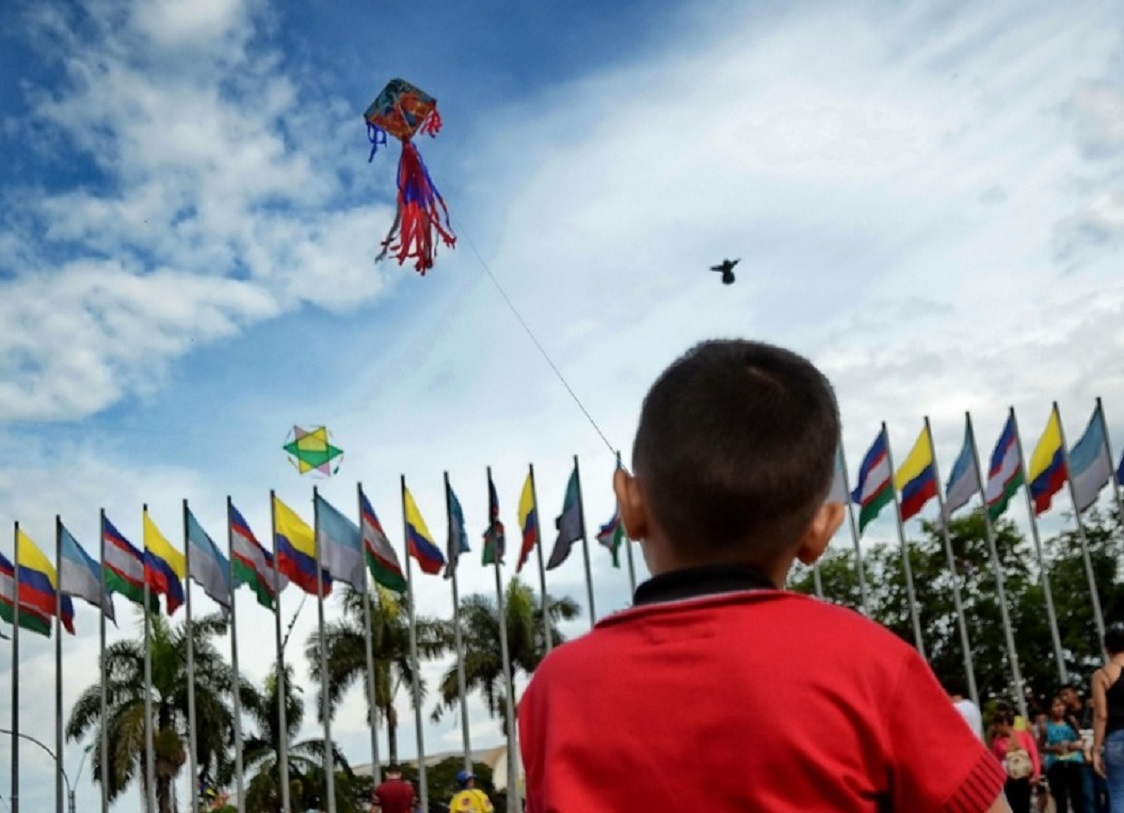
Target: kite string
<point>531,334</point>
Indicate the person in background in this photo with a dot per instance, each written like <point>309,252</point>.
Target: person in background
<point>1018,754</point>
<point>967,709</point>
<point>1108,718</point>
<point>469,799</point>
<point>1061,743</point>
<point>395,794</point>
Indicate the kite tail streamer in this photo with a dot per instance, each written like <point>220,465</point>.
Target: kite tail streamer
<point>420,209</point>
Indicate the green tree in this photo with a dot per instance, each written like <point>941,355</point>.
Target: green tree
<point>125,691</point>
<point>261,751</point>
<point>480,629</point>
<point>390,642</point>
<point>1025,597</point>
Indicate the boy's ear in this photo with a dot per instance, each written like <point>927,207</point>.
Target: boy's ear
<point>634,508</point>
<point>823,526</point>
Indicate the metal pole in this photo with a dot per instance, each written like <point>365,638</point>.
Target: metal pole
<point>548,634</point>
<point>1000,582</point>
<point>1098,616</point>
<point>282,712</point>
<point>15,793</point>
<point>371,700</point>
<point>817,580</point>
<point>1050,614</point>
<point>423,788</point>
<point>104,727</point>
<point>325,705</point>
<point>192,740</point>
<point>509,688</point>
<point>239,768</point>
<point>59,801</point>
<point>907,568</point>
<point>149,737</point>
<point>58,762</point>
<point>859,569</point>
<point>961,622</point>
<point>458,637</point>
<point>585,546</point>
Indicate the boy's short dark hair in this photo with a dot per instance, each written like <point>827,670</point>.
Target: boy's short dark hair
<point>737,442</point>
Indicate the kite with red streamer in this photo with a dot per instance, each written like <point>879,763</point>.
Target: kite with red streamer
<point>402,110</point>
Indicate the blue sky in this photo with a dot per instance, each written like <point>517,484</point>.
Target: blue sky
<point>928,201</point>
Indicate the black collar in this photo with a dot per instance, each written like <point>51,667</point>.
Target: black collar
<point>701,581</point>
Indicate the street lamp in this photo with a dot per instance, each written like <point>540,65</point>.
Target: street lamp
<point>58,762</point>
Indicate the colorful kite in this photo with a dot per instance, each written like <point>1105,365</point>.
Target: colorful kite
<point>402,111</point>
<point>312,450</point>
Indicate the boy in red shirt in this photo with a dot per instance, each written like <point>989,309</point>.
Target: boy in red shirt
<point>718,690</point>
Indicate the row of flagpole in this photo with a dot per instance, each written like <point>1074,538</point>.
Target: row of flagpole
<point>1085,469</point>
<point>161,570</point>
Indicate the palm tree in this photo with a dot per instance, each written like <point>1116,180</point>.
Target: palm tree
<point>390,642</point>
<point>125,691</point>
<point>260,751</point>
<point>480,630</point>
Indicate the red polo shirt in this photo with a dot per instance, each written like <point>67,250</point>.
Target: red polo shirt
<point>747,700</point>
<point>395,796</point>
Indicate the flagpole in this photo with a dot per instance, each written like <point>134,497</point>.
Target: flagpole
<point>149,735</point>
<point>191,736</point>
<point>423,789</point>
<point>239,782</point>
<point>859,568</point>
<point>505,656</point>
<point>1098,616</point>
<point>104,754</point>
<point>58,664</point>
<point>15,792</point>
<point>454,560</point>
<point>547,633</point>
<point>907,568</point>
<point>1000,582</point>
<point>370,654</point>
<point>957,600</point>
<point>817,580</point>
<point>1047,594</point>
<point>325,705</point>
<point>628,549</point>
<point>585,546</point>
<point>282,712</point>
<point>1111,464</point>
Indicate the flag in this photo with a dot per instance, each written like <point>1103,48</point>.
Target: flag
<point>80,576</point>
<point>341,548</point>
<point>1120,470</point>
<point>296,549</point>
<point>1089,463</point>
<point>164,567</point>
<point>838,492</point>
<point>30,618</point>
<point>494,542</point>
<point>964,480</point>
<point>915,479</point>
<point>570,525</point>
<point>209,567</point>
<point>528,521</point>
<point>382,561</point>
<point>124,567</point>
<point>1005,471</point>
<point>253,564</point>
<point>1047,472</point>
<point>39,582</point>
<point>611,536</point>
<point>458,536</point>
<point>419,541</point>
<point>874,489</point>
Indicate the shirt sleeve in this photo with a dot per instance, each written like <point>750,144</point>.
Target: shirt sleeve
<point>937,763</point>
<point>1032,748</point>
